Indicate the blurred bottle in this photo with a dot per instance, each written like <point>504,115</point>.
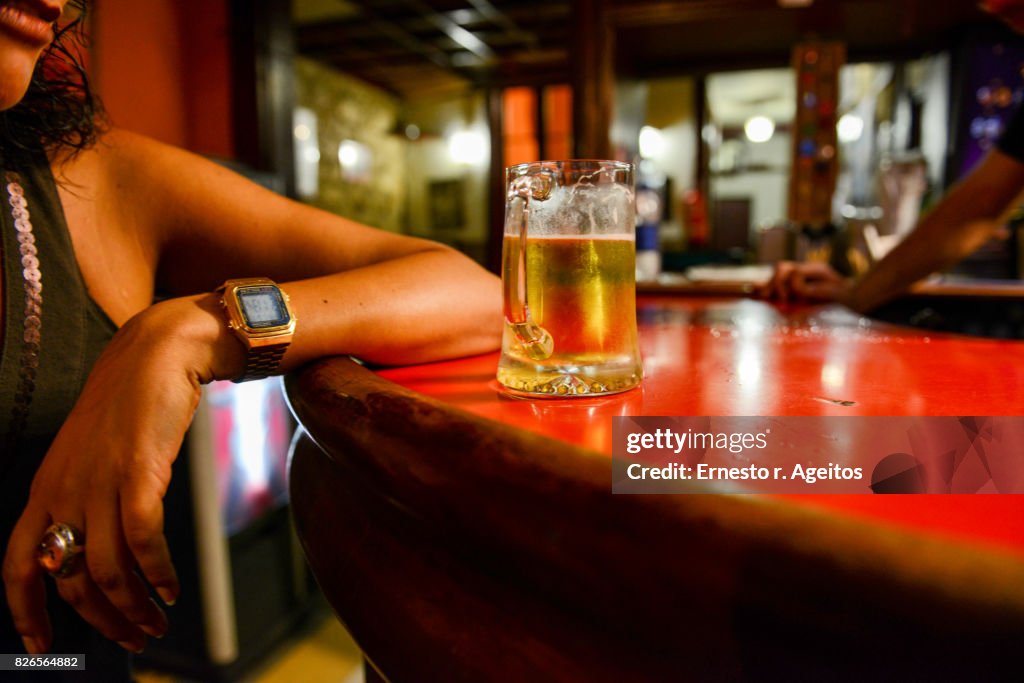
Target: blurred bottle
<point>648,221</point>
<point>695,218</point>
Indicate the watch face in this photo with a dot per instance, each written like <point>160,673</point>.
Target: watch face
<point>262,307</point>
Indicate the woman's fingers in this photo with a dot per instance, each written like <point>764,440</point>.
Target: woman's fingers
<point>103,588</point>
<point>23,582</point>
<point>111,567</point>
<point>26,591</point>
<point>142,518</point>
<point>79,591</point>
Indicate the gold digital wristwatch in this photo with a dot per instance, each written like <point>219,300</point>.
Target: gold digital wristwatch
<point>259,315</point>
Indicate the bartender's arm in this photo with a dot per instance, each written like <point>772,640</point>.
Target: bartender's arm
<point>964,219</point>
<point>961,222</point>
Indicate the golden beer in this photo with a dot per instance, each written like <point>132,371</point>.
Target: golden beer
<point>581,289</point>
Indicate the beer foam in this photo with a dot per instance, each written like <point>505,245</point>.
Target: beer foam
<point>618,236</point>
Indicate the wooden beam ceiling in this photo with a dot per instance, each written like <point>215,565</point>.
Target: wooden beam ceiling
<point>414,46</point>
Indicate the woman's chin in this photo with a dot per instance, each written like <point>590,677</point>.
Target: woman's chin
<point>9,97</point>
<point>15,76</point>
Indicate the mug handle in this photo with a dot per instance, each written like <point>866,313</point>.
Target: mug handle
<point>534,339</point>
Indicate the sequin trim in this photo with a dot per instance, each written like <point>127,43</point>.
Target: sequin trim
<point>33,318</point>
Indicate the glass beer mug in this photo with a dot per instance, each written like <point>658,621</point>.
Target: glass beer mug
<point>569,279</point>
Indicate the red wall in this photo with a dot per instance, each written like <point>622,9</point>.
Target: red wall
<point>162,68</point>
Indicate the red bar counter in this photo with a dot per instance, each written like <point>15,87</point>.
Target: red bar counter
<point>464,534</point>
<point>736,356</point>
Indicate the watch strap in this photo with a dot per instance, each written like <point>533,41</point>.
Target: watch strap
<point>262,362</point>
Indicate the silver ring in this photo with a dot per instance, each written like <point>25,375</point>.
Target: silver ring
<point>59,549</point>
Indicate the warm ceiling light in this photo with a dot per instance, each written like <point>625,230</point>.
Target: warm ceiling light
<point>349,153</point>
<point>651,142</point>
<point>759,129</point>
<point>850,128</point>
<point>795,3</point>
<point>467,147</point>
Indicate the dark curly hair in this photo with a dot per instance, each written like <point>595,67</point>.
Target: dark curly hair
<point>59,111</point>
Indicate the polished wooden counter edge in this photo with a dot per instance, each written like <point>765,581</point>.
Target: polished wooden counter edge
<point>718,575</point>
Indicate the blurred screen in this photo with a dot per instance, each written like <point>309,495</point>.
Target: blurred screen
<point>250,432</point>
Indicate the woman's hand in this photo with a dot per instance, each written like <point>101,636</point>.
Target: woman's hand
<point>106,474</point>
<point>805,281</point>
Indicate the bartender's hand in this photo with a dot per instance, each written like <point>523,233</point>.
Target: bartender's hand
<point>813,281</point>
<point>106,474</point>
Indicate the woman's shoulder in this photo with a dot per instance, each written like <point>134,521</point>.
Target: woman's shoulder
<point>134,173</point>
<point>108,177</point>
<point>172,195</point>
<point>107,163</point>
<point>116,150</point>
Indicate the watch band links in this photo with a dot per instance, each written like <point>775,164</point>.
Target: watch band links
<point>261,363</point>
